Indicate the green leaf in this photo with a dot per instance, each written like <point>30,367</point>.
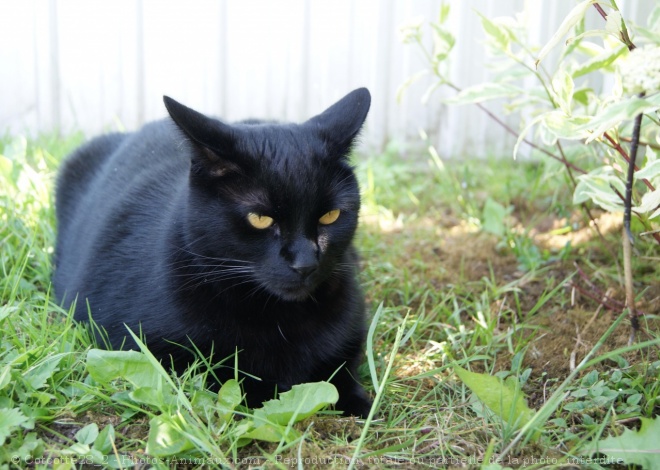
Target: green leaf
<point>105,440</point>
<point>613,23</point>
<point>633,447</point>
<point>31,446</point>
<point>600,62</point>
<point>612,115</point>
<point>573,18</point>
<point>494,217</point>
<point>597,187</point>
<point>590,379</point>
<point>5,376</point>
<point>77,449</point>
<point>650,203</point>
<point>564,127</point>
<point>166,437</point>
<point>272,433</point>
<point>497,34</point>
<point>484,92</point>
<point>443,42</point>
<point>583,95</point>
<point>135,367</point>
<point>37,375</point>
<point>505,399</point>
<point>443,15</point>
<point>298,403</point>
<point>155,397</point>
<point>563,86</point>
<point>88,434</point>
<point>10,418</point>
<point>229,397</point>
<point>204,404</point>
<point>650,171</point>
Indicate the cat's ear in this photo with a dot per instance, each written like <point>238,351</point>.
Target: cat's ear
<point>214,141</point>
<point>340,124</point>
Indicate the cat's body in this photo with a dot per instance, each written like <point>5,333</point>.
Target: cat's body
<point>232,237</point>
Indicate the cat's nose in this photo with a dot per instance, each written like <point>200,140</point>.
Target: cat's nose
<point>305,270</point>
<point>303,256</point>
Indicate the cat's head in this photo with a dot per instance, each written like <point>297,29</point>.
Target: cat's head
<point>273,206</point>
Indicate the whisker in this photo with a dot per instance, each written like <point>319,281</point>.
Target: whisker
<point>208,277</point>
<point>196,269</point>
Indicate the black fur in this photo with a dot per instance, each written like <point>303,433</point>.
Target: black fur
<point>153,233</point>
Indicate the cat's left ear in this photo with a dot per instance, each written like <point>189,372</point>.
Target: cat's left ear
<point>340,124</point>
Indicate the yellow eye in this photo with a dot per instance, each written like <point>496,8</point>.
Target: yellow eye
<point>259,221</point>
<point>330,217</point>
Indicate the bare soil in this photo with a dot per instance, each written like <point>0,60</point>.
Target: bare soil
<point>447,252</point>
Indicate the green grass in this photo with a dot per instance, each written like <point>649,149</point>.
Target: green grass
<point>448,283</point>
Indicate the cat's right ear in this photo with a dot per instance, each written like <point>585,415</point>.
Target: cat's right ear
<point>340,124</point>
<point>213,141</point>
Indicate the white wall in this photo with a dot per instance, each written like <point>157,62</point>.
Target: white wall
<point>101,65</point>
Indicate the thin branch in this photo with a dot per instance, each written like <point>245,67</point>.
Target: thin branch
<point>601,11</point>
<point>595,293</point>
<point>634,145</point>
<point>627,209</point>
<point>627,234</point>
<point>564,160</point>
<point>606,302</point>
<point>507,128</point>
<point>641,142</point>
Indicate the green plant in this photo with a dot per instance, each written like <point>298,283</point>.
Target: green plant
<point>595,394</point>
<point>633,447</point>
<point>503,396</point>
<point>200,421</point>
<point>569,114</point>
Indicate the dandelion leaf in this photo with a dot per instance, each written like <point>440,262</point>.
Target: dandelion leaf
<point>634,447</point>
<point>504,398</point>
<point>299,403</point>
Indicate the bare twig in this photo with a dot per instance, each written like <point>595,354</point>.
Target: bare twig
<point>507,128</point>
<point>601,11</point>
<point>627,209</point>
<point>595,293</point>
<point>641,142</point>
<point>610,304</point>
<point>627,234</point>
<point>634,145</point>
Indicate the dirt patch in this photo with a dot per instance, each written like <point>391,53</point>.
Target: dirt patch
<point>474,256</point>
<point>565,328</point>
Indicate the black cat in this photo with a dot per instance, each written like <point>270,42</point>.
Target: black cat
<point>234,238</point>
